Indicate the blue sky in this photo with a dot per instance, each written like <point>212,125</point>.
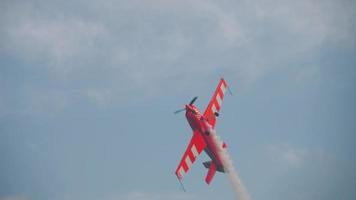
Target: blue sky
<point>88,90</point>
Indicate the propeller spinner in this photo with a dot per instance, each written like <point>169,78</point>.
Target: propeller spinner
<point>190,103</point>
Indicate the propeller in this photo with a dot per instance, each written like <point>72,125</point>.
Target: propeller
<point>190,103</point>
<point>193,100</point>
<point>178,111</point>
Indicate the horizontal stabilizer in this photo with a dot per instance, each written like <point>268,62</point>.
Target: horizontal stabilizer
<point>211,173</point>
<point>207,165</point>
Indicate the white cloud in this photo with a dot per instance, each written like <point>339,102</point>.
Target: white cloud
<point>313,21</point>
<point>55,41</point>
<point>44,101</point>
<point>150,47</point>
<point>101,97</point>
<point>162,196</point>
<point>14,197</point>
<point>308,74</point>
<point>284,153</point>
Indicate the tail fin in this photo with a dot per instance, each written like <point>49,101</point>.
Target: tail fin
<point>207,165</point>
<point>211,173</point>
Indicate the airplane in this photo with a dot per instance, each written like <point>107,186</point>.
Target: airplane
<point>203,135</point>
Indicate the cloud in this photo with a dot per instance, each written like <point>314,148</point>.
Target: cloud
<point>111,51</point>
<point>313,21</point>
<point>14,197</point>
<point>162,196</point>
<point>34,101</point>
<point>308,74</point>
<point>135,195</point>
<point>100,97</point>
<point>55,41</point>
<point>284,153</point>
<point>310,172</point>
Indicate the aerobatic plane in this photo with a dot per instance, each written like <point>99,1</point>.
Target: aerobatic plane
<point>203,135</point>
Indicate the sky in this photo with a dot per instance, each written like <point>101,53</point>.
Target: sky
<point>88,90</point>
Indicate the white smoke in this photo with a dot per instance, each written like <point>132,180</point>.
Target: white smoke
<point>234,179</point>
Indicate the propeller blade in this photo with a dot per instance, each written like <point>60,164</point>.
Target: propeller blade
<point>178,111</point>
<point>193,100</point>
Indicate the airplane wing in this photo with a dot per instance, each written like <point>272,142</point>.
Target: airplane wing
<point>214,106</point>
<point>195,147</point>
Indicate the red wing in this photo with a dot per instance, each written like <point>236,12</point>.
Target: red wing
<point>195,147</point>
<point>215,103</point>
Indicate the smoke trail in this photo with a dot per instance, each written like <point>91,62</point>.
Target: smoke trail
<point>234,179</point>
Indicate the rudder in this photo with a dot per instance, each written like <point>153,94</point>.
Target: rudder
<point>211,173</point>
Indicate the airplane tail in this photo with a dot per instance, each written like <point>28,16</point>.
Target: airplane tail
<point>211,173</point>
<point>207,165</point>
<point>212,169</point>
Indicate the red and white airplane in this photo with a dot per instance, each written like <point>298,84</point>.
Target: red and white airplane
<point>203,135</point>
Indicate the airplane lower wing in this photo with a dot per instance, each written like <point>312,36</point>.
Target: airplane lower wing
<point>214,106</point>
<point>195,147</point>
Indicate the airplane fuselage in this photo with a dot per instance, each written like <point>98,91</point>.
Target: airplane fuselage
<point>204,136</point>
<point>199,124</point>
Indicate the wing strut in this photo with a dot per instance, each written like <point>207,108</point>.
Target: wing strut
<point>228,88</point>
<point>181,184</point>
